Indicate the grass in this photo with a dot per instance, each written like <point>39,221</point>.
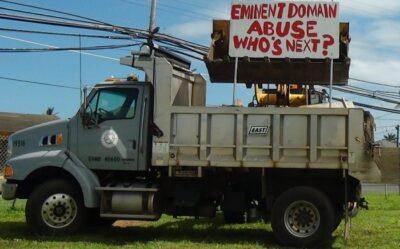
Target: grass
<point>378,227</point>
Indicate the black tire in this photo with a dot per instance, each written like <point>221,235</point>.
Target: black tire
<point>292,229</point>
<point>42,198</point>
<point>339,215</point>
<point>231,217</point>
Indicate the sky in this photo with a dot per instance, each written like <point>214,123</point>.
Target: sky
<point>374,50</point>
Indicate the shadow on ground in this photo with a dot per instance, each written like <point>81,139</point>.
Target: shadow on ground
<point>190,230</point>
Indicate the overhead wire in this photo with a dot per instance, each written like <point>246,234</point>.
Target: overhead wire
<point>54,11</point>
<point>51,46</point>
<point>175,44</point>
<point>43,15</point>
<point>113,37</point>
<point>375,83</point>
<point>38,83</point>
<point>90,48</point>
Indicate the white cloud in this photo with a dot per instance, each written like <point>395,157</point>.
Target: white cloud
<point>195,29</point>
<point>386,33</point>
<point>201,28</point>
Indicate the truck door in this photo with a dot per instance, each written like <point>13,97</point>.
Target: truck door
<point>112,143</point>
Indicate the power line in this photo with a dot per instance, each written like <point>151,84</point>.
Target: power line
<point>375,83</point>
<point>368,95</point>
<point>54,11</point>
<point>43,15</point>
<point>38,83</point>
<point>102,47</point>
<point>113,37</point>
<point>51,46</point>
<point>374,107</point>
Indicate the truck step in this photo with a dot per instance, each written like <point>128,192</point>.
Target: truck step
<point>130,216</point>
<point>122,189</point>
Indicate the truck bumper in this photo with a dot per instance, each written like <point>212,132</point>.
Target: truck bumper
<point>9,190</point>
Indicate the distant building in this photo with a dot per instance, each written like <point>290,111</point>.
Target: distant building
<point>13,122</point>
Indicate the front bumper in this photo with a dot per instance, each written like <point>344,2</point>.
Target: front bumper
<point>9,190</point>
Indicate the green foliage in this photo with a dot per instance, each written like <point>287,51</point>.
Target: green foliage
<point>391,137</point>
<point>378,227</point>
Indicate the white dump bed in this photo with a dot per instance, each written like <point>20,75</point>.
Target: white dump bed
<point>199,136</point>
<point>317,138</point>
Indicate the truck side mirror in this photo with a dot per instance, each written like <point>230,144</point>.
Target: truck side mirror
<point>86,113</point>
<point>88,117</point>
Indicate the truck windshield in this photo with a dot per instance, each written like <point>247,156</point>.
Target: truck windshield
<point>115,103</point>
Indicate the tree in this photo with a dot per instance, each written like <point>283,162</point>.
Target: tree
<point>50,111</point>
<point>391,137</point>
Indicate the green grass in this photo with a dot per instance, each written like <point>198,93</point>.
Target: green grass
<point>378,227</point>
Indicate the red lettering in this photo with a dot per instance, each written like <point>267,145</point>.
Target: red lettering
<point>253,43</point>
<point>333,10</point>
<point>298,32</point>
<point>255,27</point>
<point>312,10</point>
<point>235,11</point>
<point>264,45</point>
<point>277,47</point>
<point>245,12</point>
<point>268,28</point>
<point>315,43</point>
<point>264,11</point>
<point>240,42</point>
<point>320,10</point>
<point>299,46</point>
<point>292,10</point>
<point>307,45</point>
<point>310,27</point>
<point>281,8</point>
<point>282,32</point>
<point>301,10</point>
<point>290,45</point>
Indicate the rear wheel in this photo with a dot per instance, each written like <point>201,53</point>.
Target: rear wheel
<point>55,207</point>
<point>302,217</point>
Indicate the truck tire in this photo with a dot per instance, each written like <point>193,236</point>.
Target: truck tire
<point>56,207</point>
<point>302,217</point>
<point>338,220</point>
<point>231,217</point>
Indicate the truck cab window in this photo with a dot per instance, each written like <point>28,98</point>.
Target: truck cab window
<point>115,103</point>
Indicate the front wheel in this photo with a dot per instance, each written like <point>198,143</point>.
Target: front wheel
<point>55,207</point>
<point>302,217</point>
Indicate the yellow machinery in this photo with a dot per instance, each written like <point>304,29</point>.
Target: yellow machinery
<point>282,95</point>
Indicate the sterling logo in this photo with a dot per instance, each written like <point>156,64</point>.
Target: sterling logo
<point>109,139</point>
<point>259,130</point>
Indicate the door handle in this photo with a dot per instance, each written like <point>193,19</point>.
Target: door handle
<point>134,144</point>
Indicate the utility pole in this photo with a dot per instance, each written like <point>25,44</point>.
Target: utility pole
<point>397,144</point>
<point>152,22</point>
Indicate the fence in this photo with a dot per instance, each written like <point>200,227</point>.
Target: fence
<point>388,161</point>
<point>3,151</point>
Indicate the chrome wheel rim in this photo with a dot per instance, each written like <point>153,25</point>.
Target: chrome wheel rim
<point>59,210</point>
<point>302,219</point>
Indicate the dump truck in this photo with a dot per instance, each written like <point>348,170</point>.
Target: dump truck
<point>138,150</point>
